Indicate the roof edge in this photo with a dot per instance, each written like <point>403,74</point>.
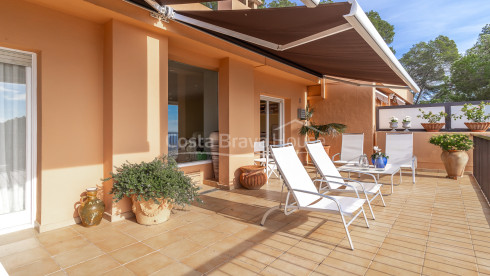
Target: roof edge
<point>361,23</point>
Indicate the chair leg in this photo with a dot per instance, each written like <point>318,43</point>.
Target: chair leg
<point>413,175</point>
<point>347,231</point>
<point>382,199</point>
<point>370,208</point>
<point>365,218</point>
<point>268,213</point>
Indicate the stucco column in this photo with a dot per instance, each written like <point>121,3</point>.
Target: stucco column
<point>236,119</point>
<point>135,102</point>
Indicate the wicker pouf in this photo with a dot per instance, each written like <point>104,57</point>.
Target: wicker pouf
<point>253,177</point>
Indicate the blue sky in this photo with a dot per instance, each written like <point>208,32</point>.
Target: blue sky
<point>12,101</point>
<point>424,20</point>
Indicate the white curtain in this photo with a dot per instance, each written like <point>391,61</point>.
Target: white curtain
<point>12,137</point>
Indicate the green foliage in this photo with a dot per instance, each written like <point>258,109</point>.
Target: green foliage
<point>452,141</point>
<point>432,117</point>
<point>212,5</point>
<point>379,154</point>
<point>474,113</point>
<point>154,180</point>
<point>385,29</point>
<point>310,128</point>
<point>429,63</point>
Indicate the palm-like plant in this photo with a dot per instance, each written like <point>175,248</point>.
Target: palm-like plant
<point>310,128</point>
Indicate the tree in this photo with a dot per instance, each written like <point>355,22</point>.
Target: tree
<point>385,29</point>
<point>470,75</point>
<point>212,5</point>
<point>429,63</point>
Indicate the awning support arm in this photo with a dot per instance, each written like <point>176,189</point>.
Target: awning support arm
<point>166,13</point>
<point>365,84</point>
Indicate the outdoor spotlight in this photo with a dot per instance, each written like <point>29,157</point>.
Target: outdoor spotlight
<point>310,3</point>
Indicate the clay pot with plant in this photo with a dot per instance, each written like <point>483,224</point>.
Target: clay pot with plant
<point>480,121</point>
<point>454,155</point>
<point>310,128</point>
<point>433,119</point>
<point>154,188</point>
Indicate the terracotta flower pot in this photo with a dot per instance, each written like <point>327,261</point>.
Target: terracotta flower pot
<point>478,127</point>
<point>455,162</point>
<point>433,127</point>
<point>149,213</point>
<point>253,177</point>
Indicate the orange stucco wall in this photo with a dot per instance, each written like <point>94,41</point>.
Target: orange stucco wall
<point>70,75</point>
<point>351,105</point>
<point>428,155</point>
<point>102,94</point>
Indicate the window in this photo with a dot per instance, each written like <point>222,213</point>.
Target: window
<point>192,111</point>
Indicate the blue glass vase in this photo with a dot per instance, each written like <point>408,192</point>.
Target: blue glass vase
<point>379,162</point>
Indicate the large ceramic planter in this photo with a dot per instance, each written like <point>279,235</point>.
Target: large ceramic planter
<point>454,162</point>
<point>478,127</point>
<point>150,213</point>
<point>91,208</point>
<point>379,162</point>
<point>433,127</point>
<point>393,126</point>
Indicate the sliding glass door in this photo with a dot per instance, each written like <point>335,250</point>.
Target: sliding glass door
<point>271,120</point>
<point>16,139</point>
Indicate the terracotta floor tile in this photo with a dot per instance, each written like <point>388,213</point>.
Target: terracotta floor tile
<point>205,260</point>
<point>162,240</point>
<point>66,245</point>
<point>40,267</point>
<point>131,252</point>
<point>97,265</point>
<point>176,269</point>
<point>181,249</point>
<point>77,255</point>
<point>149,264</point>
<point>18,246</point>
<point>119,271</point>
<point>18,236</point>
<point>118,241</point>
<point>231,246</point>
<point>208,237</point>
<point>234,267</point>
<point>25,257</point>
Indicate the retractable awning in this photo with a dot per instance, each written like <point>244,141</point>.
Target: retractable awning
<point>331,40</point>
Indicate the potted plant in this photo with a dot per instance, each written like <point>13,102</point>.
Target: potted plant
<point>378,158</point>
<point>310,128</point>
<point>480,121</point>
<point>407,122</point>
<point>454,156</point>
<point>433,119</point>
<point>154,188</point>
<point>393,123</point>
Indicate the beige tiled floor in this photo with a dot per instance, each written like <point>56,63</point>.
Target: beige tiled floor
<point>435,227</point>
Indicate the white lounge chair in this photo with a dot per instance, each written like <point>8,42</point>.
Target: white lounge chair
<point>399,149</point>
<point>351,150</point>
<point>335,181</point>
<point>265,160</point>
<point>305,196</point>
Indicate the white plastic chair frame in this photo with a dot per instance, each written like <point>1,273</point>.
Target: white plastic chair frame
<point>346,154</point>
<point>270,166</point>
<point>396,148</point>
<point>291,207</point>
<point>334,173</point>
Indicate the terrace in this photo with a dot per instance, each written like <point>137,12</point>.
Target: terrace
<point>434,227</point>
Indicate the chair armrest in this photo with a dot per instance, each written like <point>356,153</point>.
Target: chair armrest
<point>322,195</point>
<point>342,183</point>
<point>333,157</point>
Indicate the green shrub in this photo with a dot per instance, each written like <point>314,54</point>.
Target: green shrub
<point>432,117</point>
<point>474,113</point>
<point>160,178</point>
<point>452,141</point>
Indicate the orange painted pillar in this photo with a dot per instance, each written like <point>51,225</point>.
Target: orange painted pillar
<point>236,120</point>
<point>135,102</point>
